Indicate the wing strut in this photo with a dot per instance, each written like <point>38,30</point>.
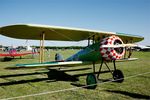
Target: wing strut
<point>40,52</point>
<point>41,59</point>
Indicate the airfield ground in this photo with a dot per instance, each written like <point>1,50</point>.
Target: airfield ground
<point>25,83</point>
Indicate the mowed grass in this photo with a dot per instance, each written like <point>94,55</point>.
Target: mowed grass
<point>15,83</point>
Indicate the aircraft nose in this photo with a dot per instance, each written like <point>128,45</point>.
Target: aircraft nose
<point>110,53</point>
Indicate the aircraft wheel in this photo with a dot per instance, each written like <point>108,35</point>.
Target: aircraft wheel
<point>91,81</point>
<point>118,76</point>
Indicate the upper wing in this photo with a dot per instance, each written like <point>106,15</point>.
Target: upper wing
<point>31,31</point>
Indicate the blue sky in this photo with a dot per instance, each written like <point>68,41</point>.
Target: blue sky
<point>128,16</point>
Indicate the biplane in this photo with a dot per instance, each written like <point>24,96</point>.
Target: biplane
<point>102,47</point>
<point>12,53</point>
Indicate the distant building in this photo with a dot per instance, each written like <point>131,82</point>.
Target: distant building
<point>141,48</point>
<point>28,48</point>
<point>1,48</point>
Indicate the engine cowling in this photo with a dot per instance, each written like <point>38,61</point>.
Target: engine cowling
<point>109,53</point>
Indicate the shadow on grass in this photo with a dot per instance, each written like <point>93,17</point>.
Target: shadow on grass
<point>61,76</point>
<point>133,95</point>
<point>7,59</point>
<point>24,74</point>
<point>147,77</point>
<point>23,81</point>
<point>53,76</point>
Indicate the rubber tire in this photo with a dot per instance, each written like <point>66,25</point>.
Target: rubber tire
<point>118,76</point>
<point>91,79</point>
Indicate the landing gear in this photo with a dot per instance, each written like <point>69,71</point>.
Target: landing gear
<point>91,81</point>
<point>118,76</point>
<point>20,57</point>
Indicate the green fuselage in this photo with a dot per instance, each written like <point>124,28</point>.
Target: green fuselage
<point>90,53</point>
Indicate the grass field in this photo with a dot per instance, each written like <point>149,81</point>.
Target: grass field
<point>15,83</point>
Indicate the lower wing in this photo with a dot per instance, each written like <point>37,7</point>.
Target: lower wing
<point>16,54</point>
<point>5,55</point>
<point>58,64</point>
<point>22,54</point>
<point>11,55</point>
<point>126,59</point>
<point>50,64</point>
